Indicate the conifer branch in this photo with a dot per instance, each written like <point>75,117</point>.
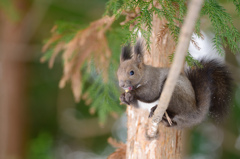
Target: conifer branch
<point>97,47</point>
<point>181,52</point>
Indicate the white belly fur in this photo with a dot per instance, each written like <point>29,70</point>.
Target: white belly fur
<point>148,106</point>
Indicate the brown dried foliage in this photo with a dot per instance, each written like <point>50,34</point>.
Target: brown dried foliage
<point>130,15</point>
<point>161,34</point>
<point>164,31</point>
<point>88,43</point>
<point>195,44</point>
<point>120,152</point>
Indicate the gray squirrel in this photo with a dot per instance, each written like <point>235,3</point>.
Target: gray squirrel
<point>200,90</point>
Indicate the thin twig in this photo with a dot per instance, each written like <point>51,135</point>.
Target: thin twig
<point>181,51</point>
<point>168,118</point>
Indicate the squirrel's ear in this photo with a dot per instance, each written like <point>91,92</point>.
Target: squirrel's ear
<point>126,53</point>
<point>138,51</point>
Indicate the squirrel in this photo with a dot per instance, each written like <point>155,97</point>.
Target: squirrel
<point>199,91</point>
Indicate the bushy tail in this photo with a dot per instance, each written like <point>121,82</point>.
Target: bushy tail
<point>212,84</point>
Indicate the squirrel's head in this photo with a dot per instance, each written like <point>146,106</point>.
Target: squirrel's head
<point>130,71</point>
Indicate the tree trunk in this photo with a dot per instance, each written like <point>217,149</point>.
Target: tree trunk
<point>12,103</point>
<point>14,38</point>
<point>168,145</point>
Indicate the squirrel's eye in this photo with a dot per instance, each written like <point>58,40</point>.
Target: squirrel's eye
<point>131,73</point>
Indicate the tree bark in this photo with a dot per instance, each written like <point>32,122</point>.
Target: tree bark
<point>168,145</point>
<point>12,103</point>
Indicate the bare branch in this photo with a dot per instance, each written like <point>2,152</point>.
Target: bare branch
<point>181,51</point>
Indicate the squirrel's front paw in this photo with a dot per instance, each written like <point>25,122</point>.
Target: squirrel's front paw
<point>126,98</point>
<point>122,99</point>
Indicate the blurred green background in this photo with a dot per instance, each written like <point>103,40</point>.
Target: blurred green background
<point>56,121</point>
<point>55,127</point>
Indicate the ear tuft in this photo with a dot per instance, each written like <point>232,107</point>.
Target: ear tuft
<point>138,51</point>
<point>126,53</point>
<point>138,48</point>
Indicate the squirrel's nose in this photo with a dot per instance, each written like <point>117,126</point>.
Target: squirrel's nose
<point>121,84</point>
<point>124,83</point>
